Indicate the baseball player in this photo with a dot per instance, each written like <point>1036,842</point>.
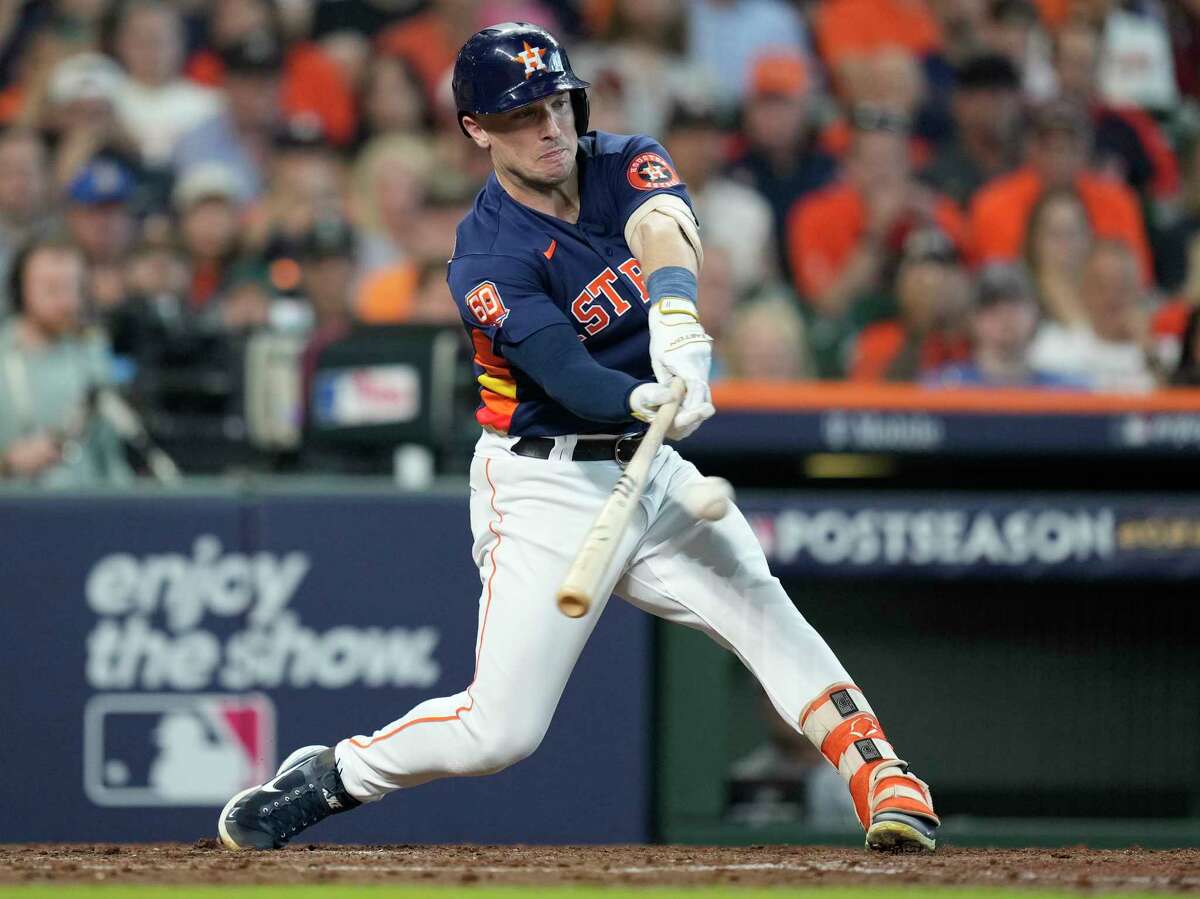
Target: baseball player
<point>575,276</point>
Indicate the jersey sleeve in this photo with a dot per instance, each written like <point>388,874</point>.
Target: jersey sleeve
<point>646,173</point>
<point>501,296</point>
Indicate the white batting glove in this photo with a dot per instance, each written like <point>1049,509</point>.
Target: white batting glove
<point>680,348</point>
<point>647,399</point>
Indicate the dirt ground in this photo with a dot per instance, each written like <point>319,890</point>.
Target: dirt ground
<point>206,862</point>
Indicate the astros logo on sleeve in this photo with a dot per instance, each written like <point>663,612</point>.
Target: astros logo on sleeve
<point>649,171</point>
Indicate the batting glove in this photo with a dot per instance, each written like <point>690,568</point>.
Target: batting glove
<point>680,348</point>
<point>645,401</point>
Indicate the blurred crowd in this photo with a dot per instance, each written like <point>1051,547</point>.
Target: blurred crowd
<point>946,192</point>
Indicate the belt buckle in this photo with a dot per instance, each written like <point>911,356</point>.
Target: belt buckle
<point>625,447</point>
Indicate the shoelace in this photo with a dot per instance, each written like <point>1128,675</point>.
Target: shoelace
<point>294,811</point>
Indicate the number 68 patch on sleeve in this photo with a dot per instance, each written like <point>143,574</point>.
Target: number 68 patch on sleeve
<point>485,304</point>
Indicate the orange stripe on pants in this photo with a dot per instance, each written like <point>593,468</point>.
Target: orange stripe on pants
<point>461,710</point>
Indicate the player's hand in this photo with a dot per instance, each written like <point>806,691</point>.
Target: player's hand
<point>647,399</point>
<point>680,348</point>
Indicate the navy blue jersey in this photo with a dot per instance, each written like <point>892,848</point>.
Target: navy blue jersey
<point>516,271</point>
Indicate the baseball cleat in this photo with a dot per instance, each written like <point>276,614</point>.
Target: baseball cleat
<point>306,789</point>
<point>898,832</point>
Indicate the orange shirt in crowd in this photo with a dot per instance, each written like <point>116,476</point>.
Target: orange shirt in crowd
<point>1000,215</point>
<point>1053,12</point>
<point>824,227</point>
<point>312,83</point>
<point>847,28</point>
<point>385,297</point>
<point>880,343</point>
<point>426,43</point>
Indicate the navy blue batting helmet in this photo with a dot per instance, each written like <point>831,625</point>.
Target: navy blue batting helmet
<point>507,66</point>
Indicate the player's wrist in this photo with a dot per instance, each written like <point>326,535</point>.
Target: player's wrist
<point>673,288</point>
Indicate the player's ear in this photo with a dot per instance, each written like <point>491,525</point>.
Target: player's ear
<point>476,133</point>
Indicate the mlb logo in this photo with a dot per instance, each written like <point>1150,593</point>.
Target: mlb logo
<point>176,749</point>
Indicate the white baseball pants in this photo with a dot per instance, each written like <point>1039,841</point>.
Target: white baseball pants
<point>529,517</point>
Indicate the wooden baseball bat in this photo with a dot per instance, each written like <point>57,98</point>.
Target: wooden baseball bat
<point>583,581</point>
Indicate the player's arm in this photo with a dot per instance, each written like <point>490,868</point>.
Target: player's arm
<point>503,297</point>
<point>662,233</point>
<point>554,357</point>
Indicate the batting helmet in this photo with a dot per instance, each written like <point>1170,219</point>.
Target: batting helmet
<point>511,65</point>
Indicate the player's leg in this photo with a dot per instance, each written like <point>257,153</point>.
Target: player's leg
<point>714,576</point>
<point>528,516</point>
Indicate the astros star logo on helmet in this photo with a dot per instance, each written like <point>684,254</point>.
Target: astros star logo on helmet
<point>532,58</point>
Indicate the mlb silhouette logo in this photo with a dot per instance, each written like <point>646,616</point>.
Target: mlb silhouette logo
<point>175,749</point>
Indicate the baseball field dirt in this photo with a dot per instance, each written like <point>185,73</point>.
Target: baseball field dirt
<point>542,870</point>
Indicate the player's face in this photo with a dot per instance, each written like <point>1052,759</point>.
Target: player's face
<point>534,144</point>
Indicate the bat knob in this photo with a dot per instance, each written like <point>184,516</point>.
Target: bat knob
<point>572,605</point>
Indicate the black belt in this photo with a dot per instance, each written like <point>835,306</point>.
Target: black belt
<point>617,449</point>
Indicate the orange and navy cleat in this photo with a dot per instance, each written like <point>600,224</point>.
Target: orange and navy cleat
<point>902,816</point>
<point>894,807</point>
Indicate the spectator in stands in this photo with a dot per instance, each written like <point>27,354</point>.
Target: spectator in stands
<point>154,312</point>
<point>206,200</point>
<point>430,39</point>
<point>24,191</point>
<point>1126,141</point>
<point>638,67</point>
<point>781,159</point>
<point>767,341</point>
<point>49,366</point>
<point>1014,29</point>
<point>1110,352</point>
<point>391,101</point>
<point>986,105</point>
<point>726,37</point>
<point>389,196</point>
<point>843,240</point>
<point>390,186</point>
<point>312,83</point>
<point>155,103</point>
<point>933,294</point>
<point>1004,317</point>
<point>80,113</point>
<point>326,254</point>
<point>1056,250</point>
<point>73,25</point>
<point>735,217</point>
<point>850,31</point>
<point>102,225</point>
<point>308,183</point>
<point>962,23</point>
<point>891,79</point>
<point>241,136</point>
<point>1137,69</point>
<point>1057,158</point>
